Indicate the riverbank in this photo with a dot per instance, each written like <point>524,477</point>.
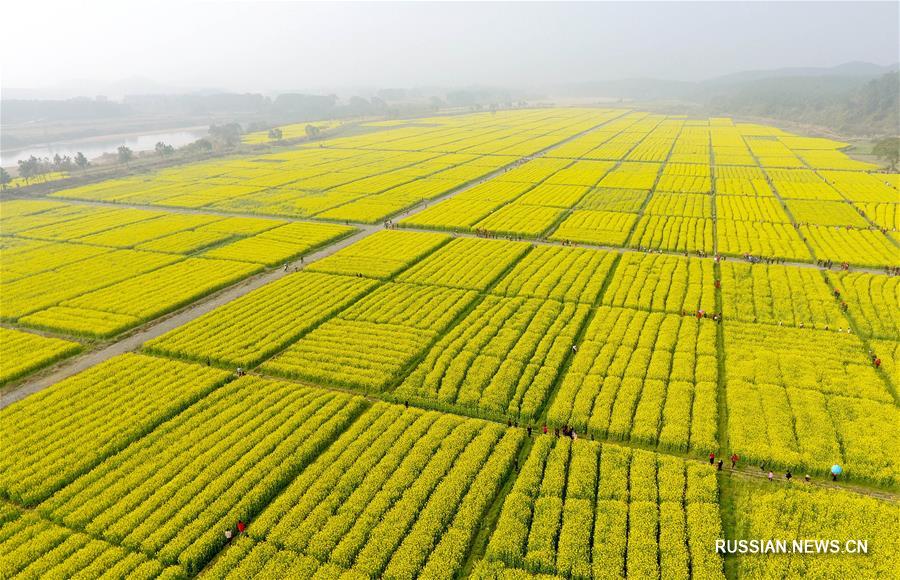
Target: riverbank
<point>95,146</point>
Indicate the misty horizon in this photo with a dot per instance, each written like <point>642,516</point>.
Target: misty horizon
<point>358,47</point>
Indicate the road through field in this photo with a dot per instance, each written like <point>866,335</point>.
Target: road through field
<point>160,326</point>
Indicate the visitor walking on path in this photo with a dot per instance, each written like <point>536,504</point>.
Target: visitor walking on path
<point>734,460</point>
<point>835,471</point>
<point>712,458</point>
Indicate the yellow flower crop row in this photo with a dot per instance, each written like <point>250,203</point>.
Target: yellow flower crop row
<point>800,512</point>
<point>370,343</point>
<point>45,289</point>
<point>741,186</point>
<point>825,213</point>
<point>818,159</point>
<point>502,359</point>
<point>34,257</point>
<point>622,200</point>
<point>834,363</point>
<point>647,377</point>
<point>567,511</point>
<point>34,547</point>
<point>453,214</point>
<point>534,171</point>
<point>662,283</point>
<point>400,493</point>
<point>49,441</point>
<point>883,215</point>
<point>813,190</point>
<point>185,242</point>
<point>752,173</point>
<point>752,209</point>
<point>673,233</point>
<point>680,204</point>
<point>687,169</point>
<point>777,294</point>
<point>381,255</point>
<point>174,492</point>
<point>559,273</point>
<point>873,301</point>
<point>840,244</point>
<point>684,184</point>
<point>130,235</point>
<point>631,176</point>
<point>761,239</point>
<point>586,173</point>
<point>808,430</point>
<point>256,326</point>
<point>466,263</point>
<point>281,244</point>
<point>859,186</point>
<point>520,220</point>
<point>142,298</point>
<point>23,352</point>
<point>76,222</point>
<point>553,195</point>
<point>596,227</point>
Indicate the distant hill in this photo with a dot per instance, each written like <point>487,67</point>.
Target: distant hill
<point>848,69</point>
<point>852,98</point>
<point>848,105</point>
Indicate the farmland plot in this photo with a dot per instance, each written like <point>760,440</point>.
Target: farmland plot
<point>571,505</point>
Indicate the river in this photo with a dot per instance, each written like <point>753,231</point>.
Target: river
<point>96,146</point>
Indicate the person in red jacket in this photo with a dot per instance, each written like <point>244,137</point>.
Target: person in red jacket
<point>712,458</point>
<point>734,460</point>
<point>241,527</point>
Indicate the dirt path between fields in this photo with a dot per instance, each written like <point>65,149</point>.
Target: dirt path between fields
<point>815,480</point>
<point>159,326</point>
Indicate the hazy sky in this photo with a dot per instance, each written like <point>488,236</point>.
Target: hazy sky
<point>265,46</point>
